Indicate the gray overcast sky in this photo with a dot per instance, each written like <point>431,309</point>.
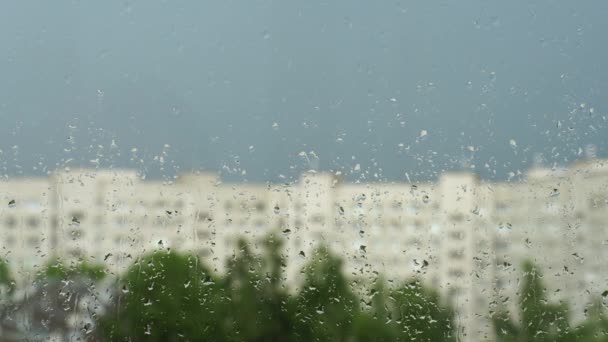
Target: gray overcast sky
<point>244,87</point>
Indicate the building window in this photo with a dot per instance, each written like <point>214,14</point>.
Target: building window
<point>10,221</point>
<point>32,241</point>
<point>33,222</point>
<point>260,206</point>
<point>456,235</point>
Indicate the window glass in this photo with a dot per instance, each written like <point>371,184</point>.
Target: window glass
<point>303,170</point>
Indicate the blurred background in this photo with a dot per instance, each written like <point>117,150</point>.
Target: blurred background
<point>345,170</point>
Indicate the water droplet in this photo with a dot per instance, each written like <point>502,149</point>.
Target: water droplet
<point>277,210</point>
<point>12,203</point>
<point>125,289</point>
<point>505,225</point>
<point>426,199</point>
<point>423,133</point>
<point>302,254</point>
<point>513,143</point>
<point>554,193</point>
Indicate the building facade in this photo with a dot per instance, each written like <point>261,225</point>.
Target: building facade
<point>463,236</point>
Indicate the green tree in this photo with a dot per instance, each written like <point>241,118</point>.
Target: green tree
<point>370,328</point>
<point>56,269</point>
<point>165,296</point>
<point>419,315</point>
<point>539,320</point>
<point>259,306</point>
<point>9,330</point>
<point>326,305</point>
<point>505,329</point>
<point>594,328</point>
<point>7,283</point>
<point>376,323</point>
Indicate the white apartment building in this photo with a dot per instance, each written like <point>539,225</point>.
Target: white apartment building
<point>463,236</point>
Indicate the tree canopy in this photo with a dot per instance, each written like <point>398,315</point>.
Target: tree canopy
<point>174,296</point>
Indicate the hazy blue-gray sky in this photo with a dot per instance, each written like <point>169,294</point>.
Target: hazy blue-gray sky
<point>244,87</point>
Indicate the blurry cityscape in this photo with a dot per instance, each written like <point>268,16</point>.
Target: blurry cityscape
<point>462,236</point>
<point>373,171</point>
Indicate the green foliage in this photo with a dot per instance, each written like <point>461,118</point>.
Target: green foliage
<point>594,328</point>
<point>410,312</point>
<point>505,329</point>
<point>251,303</point>
<point>419,314</point>
<point>166,296</point>
<point>92,271</point>
<point>55,269</point>
<point>259,307</point>
<point>539,319</point>
<point>326,305</point>
<point>375,323</point>
<point>169,296</point>
<point>6,278</point>
<point>368,327</point>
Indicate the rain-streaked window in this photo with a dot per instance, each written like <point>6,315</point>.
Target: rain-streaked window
<point>303,171</point>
